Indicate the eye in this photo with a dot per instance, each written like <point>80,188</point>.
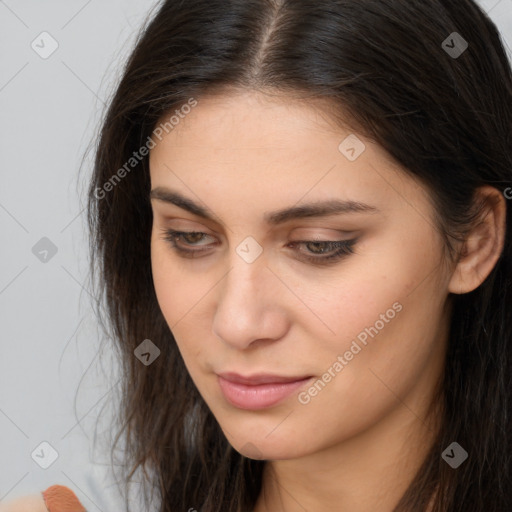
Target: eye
<point>335,249</point>
<point>173,237</point>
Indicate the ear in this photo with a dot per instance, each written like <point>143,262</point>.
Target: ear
<point>484,243</point>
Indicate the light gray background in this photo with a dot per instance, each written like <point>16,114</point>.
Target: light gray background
<point>52,376</point>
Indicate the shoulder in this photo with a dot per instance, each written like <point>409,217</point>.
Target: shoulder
<point>32,503</point>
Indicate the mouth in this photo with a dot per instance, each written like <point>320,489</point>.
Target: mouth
<point>258,391</point>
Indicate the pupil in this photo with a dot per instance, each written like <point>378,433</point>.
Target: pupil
<point>318,245</point>
<point>195,237</point>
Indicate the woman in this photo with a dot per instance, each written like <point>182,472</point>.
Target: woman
<point>299,211</point>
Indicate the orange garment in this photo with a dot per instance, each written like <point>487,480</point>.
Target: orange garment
<point>59,498</point>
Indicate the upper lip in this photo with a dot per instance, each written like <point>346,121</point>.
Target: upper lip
<point>259,378</point>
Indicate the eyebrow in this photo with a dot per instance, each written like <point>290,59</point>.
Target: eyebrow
<point>314,209</point>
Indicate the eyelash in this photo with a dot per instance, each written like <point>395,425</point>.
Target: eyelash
<point>342,247</point>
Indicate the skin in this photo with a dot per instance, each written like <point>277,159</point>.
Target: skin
<point>357,444</point>
<point>32,503</point>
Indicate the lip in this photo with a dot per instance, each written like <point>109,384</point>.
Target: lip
<point>260,378</point>
<point>258,391</point>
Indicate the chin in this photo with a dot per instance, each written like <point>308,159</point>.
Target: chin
<point>269,445</point>
<point>261,451</point>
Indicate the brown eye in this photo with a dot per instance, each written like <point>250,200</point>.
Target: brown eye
<point>191,238</point>
<point>318,252</point>
<point>335,249</point>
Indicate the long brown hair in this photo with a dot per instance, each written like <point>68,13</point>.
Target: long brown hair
<point>442,109</point>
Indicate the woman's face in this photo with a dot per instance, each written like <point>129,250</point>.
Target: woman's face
<point>256,293</point>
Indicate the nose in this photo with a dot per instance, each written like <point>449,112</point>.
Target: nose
<point>250,304</point>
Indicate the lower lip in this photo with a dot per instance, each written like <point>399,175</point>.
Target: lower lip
<point>260,396</point>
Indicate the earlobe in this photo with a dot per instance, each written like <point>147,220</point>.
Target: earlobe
<point>484,243</point>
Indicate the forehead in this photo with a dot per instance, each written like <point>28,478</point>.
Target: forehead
<point>255,149</point>
<point>245,120</point>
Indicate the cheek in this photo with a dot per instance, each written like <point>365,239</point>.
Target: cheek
<point>360,382</point>
<point>165,280</point>
<point>388,323</point>
<point>382,309</point>
<point>180,295</point>
<point>363,295</point>
<point>176,290</point>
